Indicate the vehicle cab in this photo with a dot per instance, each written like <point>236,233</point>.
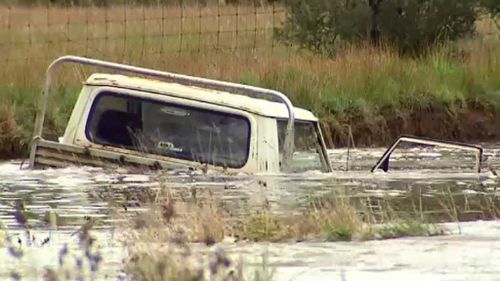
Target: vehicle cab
<point>125,120</point>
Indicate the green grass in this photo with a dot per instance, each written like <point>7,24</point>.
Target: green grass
<point>339,220</point>
<point>363,87</point>
<point>405,229</point>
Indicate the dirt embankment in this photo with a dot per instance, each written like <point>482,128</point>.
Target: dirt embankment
<point>476,123</point>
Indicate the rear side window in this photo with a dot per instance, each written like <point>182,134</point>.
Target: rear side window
<point>171,130</point>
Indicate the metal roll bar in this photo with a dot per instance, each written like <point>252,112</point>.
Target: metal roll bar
<point>383,162</point>
<point>178,78</point>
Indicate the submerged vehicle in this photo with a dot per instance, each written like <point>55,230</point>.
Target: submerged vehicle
<point>163,120</point>
<point>167,121</point>
<point>384,161</point>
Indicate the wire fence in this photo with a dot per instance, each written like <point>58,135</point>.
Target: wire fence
<point>124,31</point>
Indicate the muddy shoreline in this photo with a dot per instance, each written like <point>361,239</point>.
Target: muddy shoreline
<point>475,123</point>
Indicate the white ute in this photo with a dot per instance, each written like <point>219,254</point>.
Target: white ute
<point>170,121</point>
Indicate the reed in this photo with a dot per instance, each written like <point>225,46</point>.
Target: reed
<point>327,218</point>
<point>160,240</point>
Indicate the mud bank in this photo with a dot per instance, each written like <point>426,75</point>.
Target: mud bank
<point>474,123</point>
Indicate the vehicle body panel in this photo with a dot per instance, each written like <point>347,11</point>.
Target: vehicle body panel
<point>198,94</point>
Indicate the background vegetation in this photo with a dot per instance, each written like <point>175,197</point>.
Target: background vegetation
<point>380,67</point>
<point>408,26</point>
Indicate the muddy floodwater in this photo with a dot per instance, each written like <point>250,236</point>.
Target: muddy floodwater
<point>422,179</point>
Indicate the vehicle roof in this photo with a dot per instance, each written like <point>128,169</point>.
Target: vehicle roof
<point>239,101</point>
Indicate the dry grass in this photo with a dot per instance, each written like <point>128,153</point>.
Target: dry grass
<point>159,244</point>
<point>338,221</point>
<point>170,262</point>
<point>331,219</point>
<point>159,241</point>
<point>9,132</point>
<point>134,34</point>
<point>360,86</point>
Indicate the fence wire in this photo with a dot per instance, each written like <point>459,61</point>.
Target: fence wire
<point>126,30</point>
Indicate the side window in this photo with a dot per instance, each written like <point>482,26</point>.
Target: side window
<point>172,130</point>
<point>306,154</point>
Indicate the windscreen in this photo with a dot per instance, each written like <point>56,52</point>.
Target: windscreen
<point>171,130</point>
<point>306,155</point>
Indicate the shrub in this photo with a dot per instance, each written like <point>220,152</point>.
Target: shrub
<point>319,25</point>
<point>414,26</point>
<point>492,8</point>
<point>411,26</point>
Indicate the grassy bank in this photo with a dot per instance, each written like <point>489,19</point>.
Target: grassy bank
<point>452,93</point>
